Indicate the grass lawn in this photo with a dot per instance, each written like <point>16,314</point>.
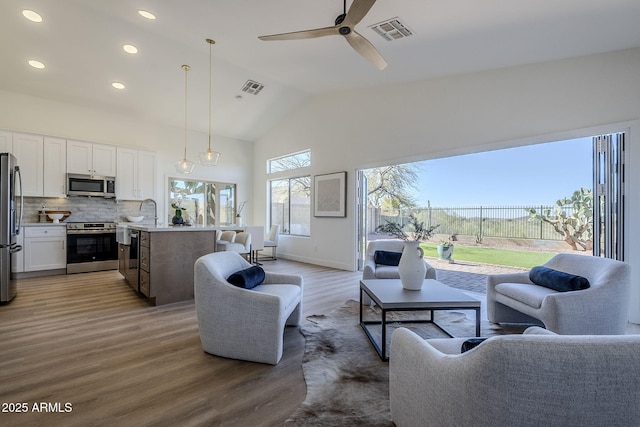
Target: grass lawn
<point>489,255</point>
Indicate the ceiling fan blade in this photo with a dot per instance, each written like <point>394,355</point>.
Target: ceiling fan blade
<point>306,34</point>
<point>357,11</point>
<point>366,49</point>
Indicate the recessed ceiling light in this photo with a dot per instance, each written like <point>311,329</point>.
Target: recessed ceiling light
<point>31,15</point>
<point>118,85</point>
<point>129,48</point>
<point>36,64</point>
<point>146,14</point>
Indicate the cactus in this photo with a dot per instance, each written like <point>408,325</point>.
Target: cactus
<point>577,228</point>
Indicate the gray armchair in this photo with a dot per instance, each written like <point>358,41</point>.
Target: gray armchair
<point>372,270</point>
<point>603,308</point>
<point>245,324</point>
<point>534,379</point>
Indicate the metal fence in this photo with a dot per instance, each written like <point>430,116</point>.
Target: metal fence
<point>479,221</point>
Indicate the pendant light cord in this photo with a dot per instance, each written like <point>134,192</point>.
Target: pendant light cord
<point>210,87</point>
<point>186,70</point>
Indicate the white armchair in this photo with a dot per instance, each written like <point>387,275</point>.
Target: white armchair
<point>372,270</point>
<point>603,308</point>
<point>223,238</point>
<point>534,379</point>
<point>271,240</point>
<point>241,244</point>
<point>245,324</point>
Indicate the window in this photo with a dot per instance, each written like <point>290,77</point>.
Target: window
<point>290,162</point>
<point>290,198</point>
<point>205,202</point>
<point>291,205</point>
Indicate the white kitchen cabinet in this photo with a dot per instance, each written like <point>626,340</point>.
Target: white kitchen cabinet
<point>89,158</point>
<point>136,172</point>
<point>55,167</point>
<point>6,144</point>
<point>29,152</point>
<point>45,248</point>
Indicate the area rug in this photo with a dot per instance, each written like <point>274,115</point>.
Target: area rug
<point>347,383</point>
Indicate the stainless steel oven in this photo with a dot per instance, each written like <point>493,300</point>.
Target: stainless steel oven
<point>91,246</point>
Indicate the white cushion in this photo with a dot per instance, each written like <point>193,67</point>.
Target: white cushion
<point>531,295</point>
<point>291,294</point>
<point>387,272</point>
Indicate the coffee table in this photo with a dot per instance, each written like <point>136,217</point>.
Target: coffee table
<point>389,295</point>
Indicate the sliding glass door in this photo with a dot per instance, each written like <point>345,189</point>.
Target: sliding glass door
<point>608,201</point>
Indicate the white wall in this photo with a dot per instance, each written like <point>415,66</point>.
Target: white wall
<point>454,115</point>
<point>37,115</point>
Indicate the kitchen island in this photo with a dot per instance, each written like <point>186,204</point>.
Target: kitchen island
<point>166,256</point>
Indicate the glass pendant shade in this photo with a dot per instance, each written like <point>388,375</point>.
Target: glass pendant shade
<point>209,157</point>
<point>185,165</point>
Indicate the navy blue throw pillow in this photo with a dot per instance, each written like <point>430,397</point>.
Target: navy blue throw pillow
<point>471,343</point>
<point>248,278</point>
<point>387,258</point>
<point>557,280</point>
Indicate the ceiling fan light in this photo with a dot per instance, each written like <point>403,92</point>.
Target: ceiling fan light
<point>209,157</point>
<point>184,166</point>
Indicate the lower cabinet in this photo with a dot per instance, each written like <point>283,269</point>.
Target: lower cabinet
<point>166,263</point>
<point>145,264</point>
<point>45,248</point>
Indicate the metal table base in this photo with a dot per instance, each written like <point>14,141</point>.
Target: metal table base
<point>382,349</point>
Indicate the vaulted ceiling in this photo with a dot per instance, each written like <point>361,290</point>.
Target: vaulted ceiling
<point>80,42</point>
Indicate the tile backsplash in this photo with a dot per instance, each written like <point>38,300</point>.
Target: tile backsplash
<point>85,209</point>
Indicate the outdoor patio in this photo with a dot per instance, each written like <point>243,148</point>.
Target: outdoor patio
<point>467,275</point>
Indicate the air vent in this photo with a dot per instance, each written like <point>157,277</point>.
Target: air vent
<point>392,29</point>
<point>252,87</point>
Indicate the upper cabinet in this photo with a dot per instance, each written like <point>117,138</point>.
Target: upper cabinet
<point>136,172</point>
<point>42,162</point>
<point>29,151</point>
<point>5,141</point>
<point>55,167</point>
<point>93,159</point>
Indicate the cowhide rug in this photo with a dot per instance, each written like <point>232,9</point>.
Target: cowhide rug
<point>347,383</point>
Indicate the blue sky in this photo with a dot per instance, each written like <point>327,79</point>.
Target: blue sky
<point>535,174</point>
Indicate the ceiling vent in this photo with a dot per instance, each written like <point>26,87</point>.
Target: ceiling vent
<point>252,87</point>
<point>392,29</point>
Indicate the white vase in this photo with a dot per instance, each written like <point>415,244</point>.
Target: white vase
<point>412,268</point>
<point>238,220</point>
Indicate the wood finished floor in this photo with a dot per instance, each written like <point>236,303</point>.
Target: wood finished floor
<point>88,340</point>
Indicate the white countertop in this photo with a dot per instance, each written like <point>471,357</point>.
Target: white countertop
<point>43,224</point>
<point>151,228</point>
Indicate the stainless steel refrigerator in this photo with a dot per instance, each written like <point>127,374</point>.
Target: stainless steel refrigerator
<point>11,203</point>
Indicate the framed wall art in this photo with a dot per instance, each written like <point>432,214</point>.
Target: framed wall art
<point>330,195</point>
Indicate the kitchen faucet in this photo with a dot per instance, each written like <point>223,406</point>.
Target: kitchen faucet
<point>155,210</point>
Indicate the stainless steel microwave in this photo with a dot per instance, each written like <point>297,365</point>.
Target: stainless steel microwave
<point>91,185</point>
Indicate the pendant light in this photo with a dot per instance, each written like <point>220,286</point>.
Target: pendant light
<point>185,166</point>
<point>209,157</point>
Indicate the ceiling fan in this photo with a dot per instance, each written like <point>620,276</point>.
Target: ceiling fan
<point>344,26</point>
